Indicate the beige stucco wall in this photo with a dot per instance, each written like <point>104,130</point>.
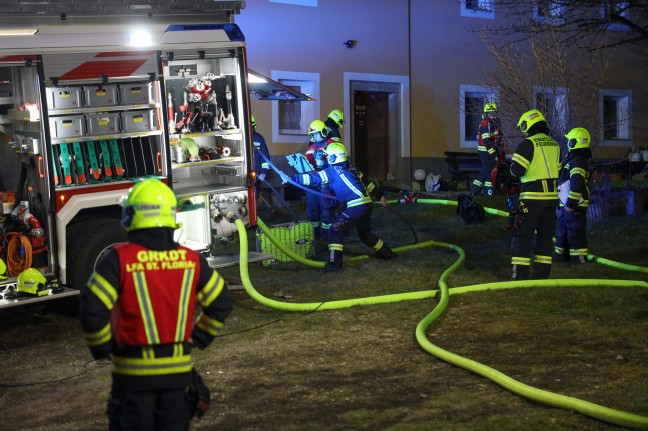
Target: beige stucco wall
<point>429,41</point>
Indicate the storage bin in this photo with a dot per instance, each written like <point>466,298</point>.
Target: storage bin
<point>138,121</point>
<point>136,94</point>
<point>64,97</point>
<point>68,126</point>
<point>105,123</point>
<point>100,96</point>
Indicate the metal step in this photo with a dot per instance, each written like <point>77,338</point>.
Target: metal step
<point>13,301</point>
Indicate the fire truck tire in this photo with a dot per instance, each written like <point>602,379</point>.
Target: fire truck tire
<point>86,243</point>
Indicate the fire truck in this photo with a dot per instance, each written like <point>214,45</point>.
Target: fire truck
<point>95,96</point>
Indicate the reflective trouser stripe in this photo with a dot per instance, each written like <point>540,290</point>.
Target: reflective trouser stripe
<point>151,366</point>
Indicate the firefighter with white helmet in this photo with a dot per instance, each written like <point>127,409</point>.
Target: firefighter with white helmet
<point>334,122</point>
<point>537,163</point>
<point>351,192</point>
<point>571,230</point>
<point>488,148</point>
<point>319,210</point>
<point>138,309</point>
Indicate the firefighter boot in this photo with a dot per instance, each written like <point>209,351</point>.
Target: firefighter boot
<point>578,260</point>
<point>541,271</point>
<point>335,261</point>
<point>520,272</point>
<point>385,253</point>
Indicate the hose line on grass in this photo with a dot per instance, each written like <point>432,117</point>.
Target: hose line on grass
<point>557,400</point>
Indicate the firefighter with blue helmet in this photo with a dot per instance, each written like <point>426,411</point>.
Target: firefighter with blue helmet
<point>488,148</point>
<point>138,309</point>
<point>571,230</point>
<point>537,163</point>
<point>351,192</point>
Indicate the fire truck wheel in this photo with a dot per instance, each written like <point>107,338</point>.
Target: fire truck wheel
<point>86,243</point>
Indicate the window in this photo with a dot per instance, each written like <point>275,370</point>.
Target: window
<point>552,102</point>
<point>290,118</point>
<point>472,99</point>
<point>615,108</point>
<point>297,2</point>
<point>610,9</point>
<point>478,9</point>
<point>549,11</point>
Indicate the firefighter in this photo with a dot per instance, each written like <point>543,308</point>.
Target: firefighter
<point>537,163</point>
<point>334,122</point>
<point>571,231</point>
<point>319,210</point>
<point>351,192</point>
<point>138,309</point>
<point>261,167</point>
<point>489,143</point>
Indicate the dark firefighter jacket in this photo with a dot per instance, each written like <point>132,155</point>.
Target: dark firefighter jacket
<point>576,169</point>
<point>346,184</point>
<point>139,305</point>
<point>489,135</point>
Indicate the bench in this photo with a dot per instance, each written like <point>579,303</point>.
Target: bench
<point>463,165</point>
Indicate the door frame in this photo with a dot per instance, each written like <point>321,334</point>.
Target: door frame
<point>404,120</point>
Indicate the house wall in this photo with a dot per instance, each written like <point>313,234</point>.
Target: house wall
<point>429,41</point>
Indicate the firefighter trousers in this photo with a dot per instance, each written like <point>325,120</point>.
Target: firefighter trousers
<point>148,410</point>
<point>571,233</point>
<point>534,235</point>
<point>483,179</point>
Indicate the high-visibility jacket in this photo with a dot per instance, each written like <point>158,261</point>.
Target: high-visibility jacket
<point>347,185</point>
<point>139,306</point>
<point>576,169</point>
<point>489,136</point>
<point>537,163</point>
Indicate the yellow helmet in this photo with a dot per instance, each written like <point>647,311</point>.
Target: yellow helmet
<point>490,107</point>
<point>529,118</point>
<point>31,281</point>
<point>337,116</point>
<point>316,127</point>
<point>336,153</point>
<point>253,121</point>
<point>148,204</point>
<point>578,138</point>
<point>3,270</point>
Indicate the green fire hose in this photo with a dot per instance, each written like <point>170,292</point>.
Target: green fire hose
<point>587,408</point>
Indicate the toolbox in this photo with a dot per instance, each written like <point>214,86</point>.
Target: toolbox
<point>104,123</point>
<point>138,121</point>
<point>64,97</point>
<point>68,126</point>
<point>136,94</point>
<point>100,96</point>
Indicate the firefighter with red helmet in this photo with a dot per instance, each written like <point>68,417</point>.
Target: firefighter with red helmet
<point>489,143</point>
<point>138,309</point>
<point>319,210</point>
<point>537,163</point>
<point>571,230</point>
<point>350,190</point>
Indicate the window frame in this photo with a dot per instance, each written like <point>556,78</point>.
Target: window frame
<point>553,20</point>
<point>616,93</point>
<point>486,9</point>
<point>309,84</point>
<point>616,26</point>
<point>554,115</point>
<point>489,93</point>
<point>311,3</point>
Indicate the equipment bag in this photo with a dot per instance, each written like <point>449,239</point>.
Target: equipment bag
<point>297,237</point>
<point>470,212</point>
